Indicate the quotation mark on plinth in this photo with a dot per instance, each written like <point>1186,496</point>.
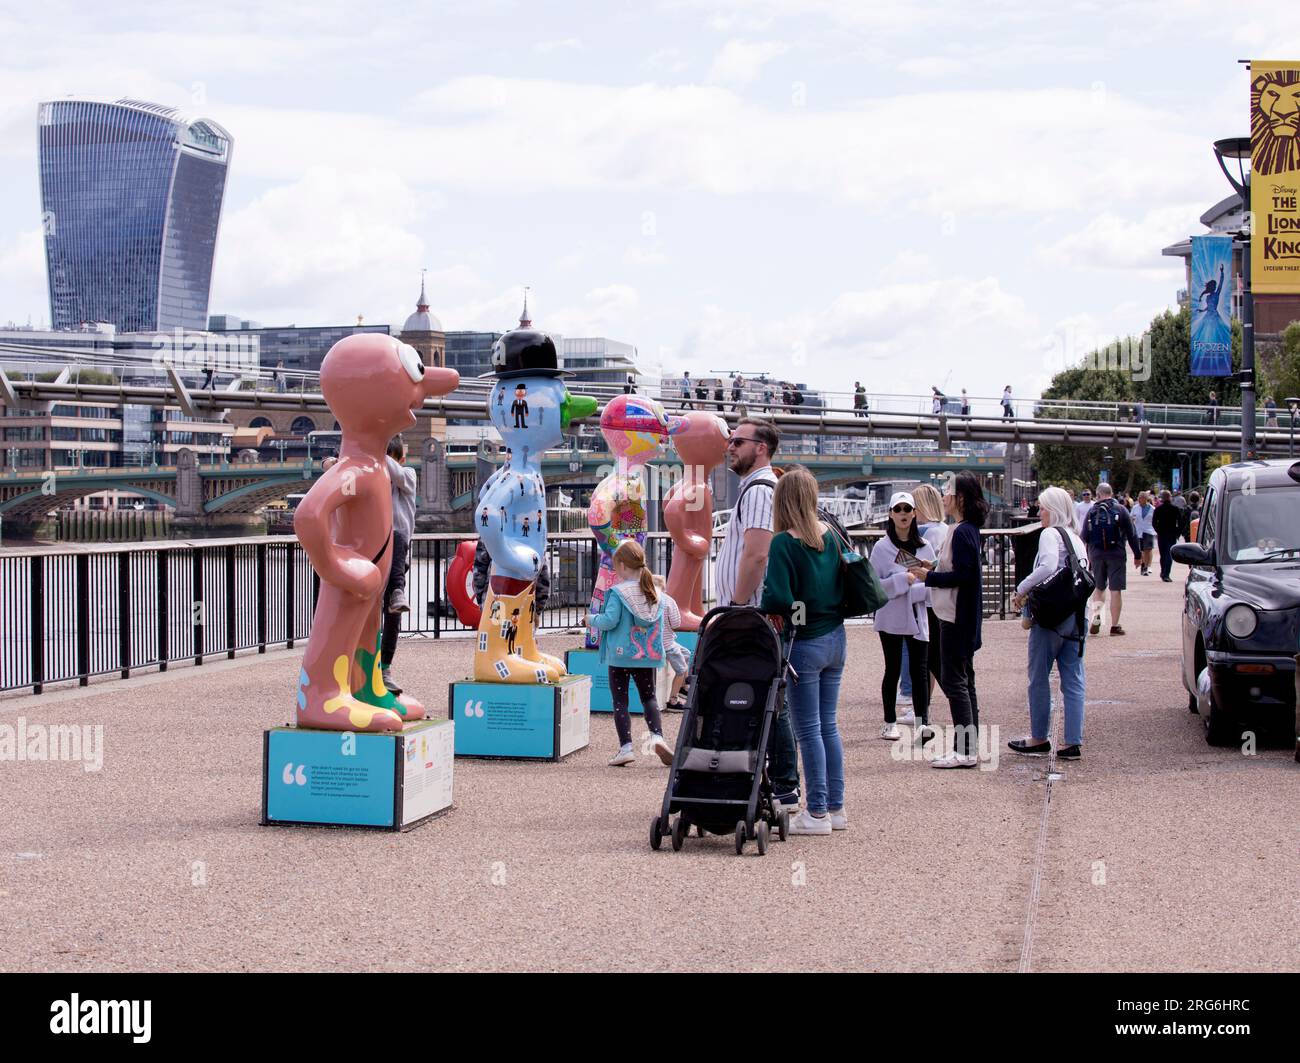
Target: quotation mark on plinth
<point>295,778</point>
<point>474,708</point>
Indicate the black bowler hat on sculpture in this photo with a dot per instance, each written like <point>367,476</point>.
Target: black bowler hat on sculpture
<point>525,352</point>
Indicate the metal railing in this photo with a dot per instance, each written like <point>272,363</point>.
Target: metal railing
<point>71,615</point>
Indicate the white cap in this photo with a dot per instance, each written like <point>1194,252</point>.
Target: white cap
<point>901,496</point>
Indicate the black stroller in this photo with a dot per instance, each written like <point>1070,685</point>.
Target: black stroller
<point>718,780</point>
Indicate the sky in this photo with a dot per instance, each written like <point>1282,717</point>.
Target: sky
<point>961,194</point>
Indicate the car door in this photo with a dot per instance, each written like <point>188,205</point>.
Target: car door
<point>1196,593</point>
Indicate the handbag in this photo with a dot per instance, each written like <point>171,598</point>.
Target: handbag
<point>860,589</point>
<point>1064,593</point>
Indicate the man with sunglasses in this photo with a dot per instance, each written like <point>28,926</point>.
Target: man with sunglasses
<point>742,564</point>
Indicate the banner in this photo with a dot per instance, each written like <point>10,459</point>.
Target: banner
<point>1275,177</point>
<point>1211,305</point>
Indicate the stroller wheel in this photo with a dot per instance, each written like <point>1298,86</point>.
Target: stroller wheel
<point>762,834</point>
<point>783,826</point>
<point>679,833</point>
<point>741,834</point>
<point>656,834</point>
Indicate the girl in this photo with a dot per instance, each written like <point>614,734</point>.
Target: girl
<point>803,587</point>
<point>632,645</point>
<point>903,621</point>
<point>957,594</point>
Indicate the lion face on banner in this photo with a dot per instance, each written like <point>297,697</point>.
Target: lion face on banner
<point>1275,121</point>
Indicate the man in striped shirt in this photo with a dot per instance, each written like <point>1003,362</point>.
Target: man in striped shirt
<point>742,564</point>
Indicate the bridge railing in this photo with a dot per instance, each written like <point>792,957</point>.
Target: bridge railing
<point>71,615</point>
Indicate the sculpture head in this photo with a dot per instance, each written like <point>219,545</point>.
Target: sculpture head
<point>636,428</point>
<point>374,383</point>
<point>701,441</point>
<point>530,406</point>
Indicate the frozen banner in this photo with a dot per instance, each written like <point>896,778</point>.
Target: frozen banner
<point>1211,306</point>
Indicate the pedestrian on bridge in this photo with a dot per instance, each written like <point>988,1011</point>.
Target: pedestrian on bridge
<point>686,391</point>
<point>903,622</point>
<point>965,403</point>
<point>859,399</point>
<point>1212,408</point>
<point>957,594</point>
<point>1007,412</point>
<point>1062,645</point>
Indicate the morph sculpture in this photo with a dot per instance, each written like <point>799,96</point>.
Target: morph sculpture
<point>373,384</point>
<point>531,408</point>
<point>701,443</point>
<point>636,429</point>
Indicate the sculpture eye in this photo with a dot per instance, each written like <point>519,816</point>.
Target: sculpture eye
<point>411,361</point>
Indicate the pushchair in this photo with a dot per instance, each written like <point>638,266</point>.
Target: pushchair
<point>718,779</point>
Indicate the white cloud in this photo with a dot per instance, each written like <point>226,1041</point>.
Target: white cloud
<point>1110,241</point>
<point>641,255</point>
<point>603,311</point>
<point>740,62</point>
<point>22,277</point>
<point>566,44</point>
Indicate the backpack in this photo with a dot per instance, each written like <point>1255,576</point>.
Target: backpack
<point>1103,525</point>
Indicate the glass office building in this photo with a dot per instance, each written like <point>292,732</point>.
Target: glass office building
<point>131,197</point>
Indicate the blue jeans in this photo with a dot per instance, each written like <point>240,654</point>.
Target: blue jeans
<point>905,683</point>
<point>1045,647</point>
<point>819,663</point>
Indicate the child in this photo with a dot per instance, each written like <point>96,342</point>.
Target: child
<point>631,621</point>
<point>404,485</point>
<point>674,652</point>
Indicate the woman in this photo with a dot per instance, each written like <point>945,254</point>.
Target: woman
<point>929,518</point>
<point>902,622</point>
<point>957,595</point>
<point>1062,645</point>
<point>1143,528</point>
<point>803,588</point>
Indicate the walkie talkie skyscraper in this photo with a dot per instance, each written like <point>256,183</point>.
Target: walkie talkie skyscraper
<point>131,194</point>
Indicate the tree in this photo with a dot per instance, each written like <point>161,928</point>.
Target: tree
<point>1279,367</point>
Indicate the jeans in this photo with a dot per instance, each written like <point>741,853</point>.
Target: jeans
<point>819,663</point>
<point>783,754</point>
<point>1046,646</point>
<point>1166,544</point>
<point>899,649</point>
<point>396,578</point>
<point>619,679</point>
<point>905,685</point>
<point>957,678</point>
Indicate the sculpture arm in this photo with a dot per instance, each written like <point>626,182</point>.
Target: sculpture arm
<point>338,565</point>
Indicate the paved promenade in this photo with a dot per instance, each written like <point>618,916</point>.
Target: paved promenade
<point>1159,852</point>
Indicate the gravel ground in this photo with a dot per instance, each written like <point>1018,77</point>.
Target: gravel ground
<point>1162,853</point>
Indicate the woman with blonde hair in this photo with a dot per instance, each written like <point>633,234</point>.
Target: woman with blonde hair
<point>1063,644</point>
<point>803,590</point>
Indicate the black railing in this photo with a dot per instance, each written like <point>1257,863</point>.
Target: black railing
<point>72,615</point>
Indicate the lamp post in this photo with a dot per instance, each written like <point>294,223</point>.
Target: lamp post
<point>1182,457</point>
<point>1238,148</point>
<point>1293,404</point>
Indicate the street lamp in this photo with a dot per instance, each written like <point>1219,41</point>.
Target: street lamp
<point>1238,149</point>
<point>1293,404</point>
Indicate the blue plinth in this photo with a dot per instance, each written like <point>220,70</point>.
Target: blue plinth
<point>587,662</point>
<point>528,721</point>
<point>347,779</point>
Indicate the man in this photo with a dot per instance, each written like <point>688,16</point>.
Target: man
<point>686,391</point>
<point>1081,509</point>
<point>965,404</point>
<point>737,389</point>
<point>1212,408</point>
<point>937,399</point>
<point>859,399</point>
<point>1008,412</point>
<point>520,406</point>
<point>1108,528</point>
<point>742,564</point>
<point>1168,524</point>
<point>1270,412</point>
<point>1142,515</point>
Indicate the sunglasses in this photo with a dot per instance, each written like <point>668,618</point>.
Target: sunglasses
<point>902,507</point>
<point>735,441</point>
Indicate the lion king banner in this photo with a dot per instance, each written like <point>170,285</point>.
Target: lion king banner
<point>1275,176</point>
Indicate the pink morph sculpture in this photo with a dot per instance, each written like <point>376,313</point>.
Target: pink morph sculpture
<point>372,383</point>
<point>635,428</point>
<point>701,443</point>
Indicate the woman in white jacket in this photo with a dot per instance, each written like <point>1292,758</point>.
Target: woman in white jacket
<point>903,621</point>
<point>1062,645</point>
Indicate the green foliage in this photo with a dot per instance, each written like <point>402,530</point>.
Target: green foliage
<point>1279,368</point>
<point>84,376</point>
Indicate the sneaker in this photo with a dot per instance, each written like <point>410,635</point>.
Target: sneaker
<point>926,733</point>
<point>676,705</point>
<point>954,760</point>
<point>908,718</point>
<point>787,802</point>
<point>806,823</point>
<point>904,699</point>
<point>1096,628</point>
<point>890,732</point>
<point>839,818</point>
<point>662,748</point>
<point>386,676</point>
<point>623,756</point>
<point>397,602</point>
<point>1070,753</point>
<point>1027,748</point>
<point>1116,630</point>
<point>1146,571</point>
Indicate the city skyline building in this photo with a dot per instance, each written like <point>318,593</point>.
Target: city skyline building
<point>131,196</point>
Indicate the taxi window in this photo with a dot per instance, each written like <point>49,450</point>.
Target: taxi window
<point>1209,513</point>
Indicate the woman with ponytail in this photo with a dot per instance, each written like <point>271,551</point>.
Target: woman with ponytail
<point>631,622</point>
